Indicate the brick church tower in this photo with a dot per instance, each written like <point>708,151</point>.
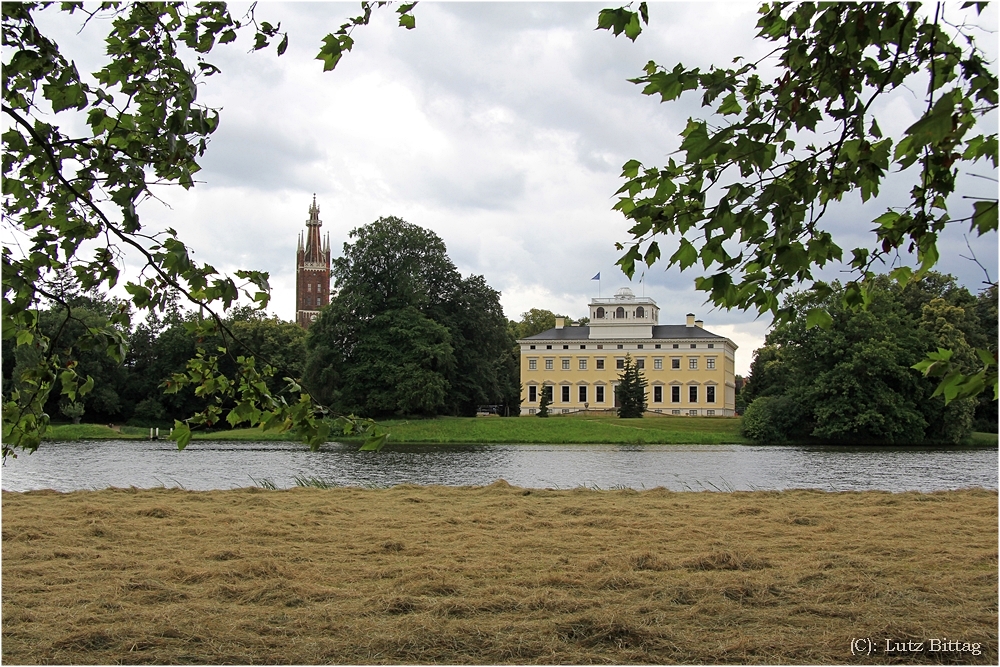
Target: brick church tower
<point>312,271</point>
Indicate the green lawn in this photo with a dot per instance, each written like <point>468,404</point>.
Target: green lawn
<point>567,429</point>
<point>561,429</point>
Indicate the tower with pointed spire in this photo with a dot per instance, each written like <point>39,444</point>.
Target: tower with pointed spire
<point>312,270</point>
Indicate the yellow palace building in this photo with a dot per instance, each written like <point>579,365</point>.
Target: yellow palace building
<point>689,370</point>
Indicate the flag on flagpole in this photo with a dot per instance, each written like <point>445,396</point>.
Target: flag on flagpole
<point>597,277</point>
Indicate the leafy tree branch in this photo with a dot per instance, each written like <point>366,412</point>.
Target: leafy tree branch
<point>746,194</point>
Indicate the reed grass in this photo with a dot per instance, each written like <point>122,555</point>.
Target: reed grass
<point>494,575</point>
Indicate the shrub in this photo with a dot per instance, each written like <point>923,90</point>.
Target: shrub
<point>772,420</point>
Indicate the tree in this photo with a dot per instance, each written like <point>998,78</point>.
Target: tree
<point>756,180</point>
<point>404,318</point>
<point>852,382</point>
<point>534,321</point>
<point>80,157</point>
<point>631,390</point>
<point>545,401</point>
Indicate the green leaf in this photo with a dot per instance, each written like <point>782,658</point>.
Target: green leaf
<point>934,125</point>
<point>984,217</point>
<point>729,105</point>
<point>374,443</point>
<point>818,317</point>
<point>181,434</point>
<point>685,256</point>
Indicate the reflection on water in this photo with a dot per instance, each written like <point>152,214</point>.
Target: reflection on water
<point>70,466</point>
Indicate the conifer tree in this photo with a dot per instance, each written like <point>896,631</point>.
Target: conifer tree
<point>631,390</point>
<point>545,402</point>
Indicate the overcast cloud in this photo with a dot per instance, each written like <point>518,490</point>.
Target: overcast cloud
<point>501,127</point>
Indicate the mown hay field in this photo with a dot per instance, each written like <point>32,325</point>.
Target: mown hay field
<point>495,575</point>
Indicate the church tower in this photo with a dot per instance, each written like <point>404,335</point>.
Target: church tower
<point>312,270</point>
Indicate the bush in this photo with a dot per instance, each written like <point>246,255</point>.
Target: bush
<point>771,420</point>
<point>73,410</point>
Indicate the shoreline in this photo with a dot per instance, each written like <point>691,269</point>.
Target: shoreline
<point>473,431</point>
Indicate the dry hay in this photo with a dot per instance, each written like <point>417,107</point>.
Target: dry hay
<point>493,575</point>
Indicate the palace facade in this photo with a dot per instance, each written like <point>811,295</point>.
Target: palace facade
<point>689,370</point>
<point>312,270</point>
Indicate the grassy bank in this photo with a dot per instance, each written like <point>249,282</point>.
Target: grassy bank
<point>560,429</point>
<point>577,429</point>
<point>494,575</point>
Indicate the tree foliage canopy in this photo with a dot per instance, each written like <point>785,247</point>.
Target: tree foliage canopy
<point>81,155</point>
<point>748,195</point>
<point>405,334</point>
<point>852,382</point>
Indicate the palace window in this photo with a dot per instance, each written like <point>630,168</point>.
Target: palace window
<point>620,313</point>
<point>583,393</point>
<point>565,394</point>
<point>600,313</point>
<point>673,412</point>
<point>548,392</point>
<point>565,364</point>
<point>694,345</point>
<point>693,413</point>
<point>639,346</point>
<point>565,347</point>
<point>657,364</point>
<point>600,364</point>
<point>675,395</point>
<point>583,364</point>
<point>640,364</point>
<point>693,363</point>
<point>599,393</point>
<point>309,287</point>
<point>710,394</point>
<point>548,364</point>
<point>675,363</point>
<point>711,346</point>
<point>676,346</point>
<point>640,312</point>
<point>548,347</point>
<point>692,394</point>
<point>710,363</point>
<point>657,394</point>
<point>583,347</point>
<point>531,347</point>
<point>532,364</point>
<point>619,363</point>
<point>621,347</point>
<point>710,413</point>
<point>657,346</point>
<point>532,393</point>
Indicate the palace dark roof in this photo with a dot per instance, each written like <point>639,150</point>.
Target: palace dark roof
<point>660,331</point>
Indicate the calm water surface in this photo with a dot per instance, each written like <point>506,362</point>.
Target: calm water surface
<point>70,466</point>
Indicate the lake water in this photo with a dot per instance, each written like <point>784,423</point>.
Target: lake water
<point>70,466</point>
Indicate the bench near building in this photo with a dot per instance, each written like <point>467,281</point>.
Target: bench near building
<point>689,370</point>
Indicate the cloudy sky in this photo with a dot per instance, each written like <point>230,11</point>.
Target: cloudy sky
<point>502,127</point>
